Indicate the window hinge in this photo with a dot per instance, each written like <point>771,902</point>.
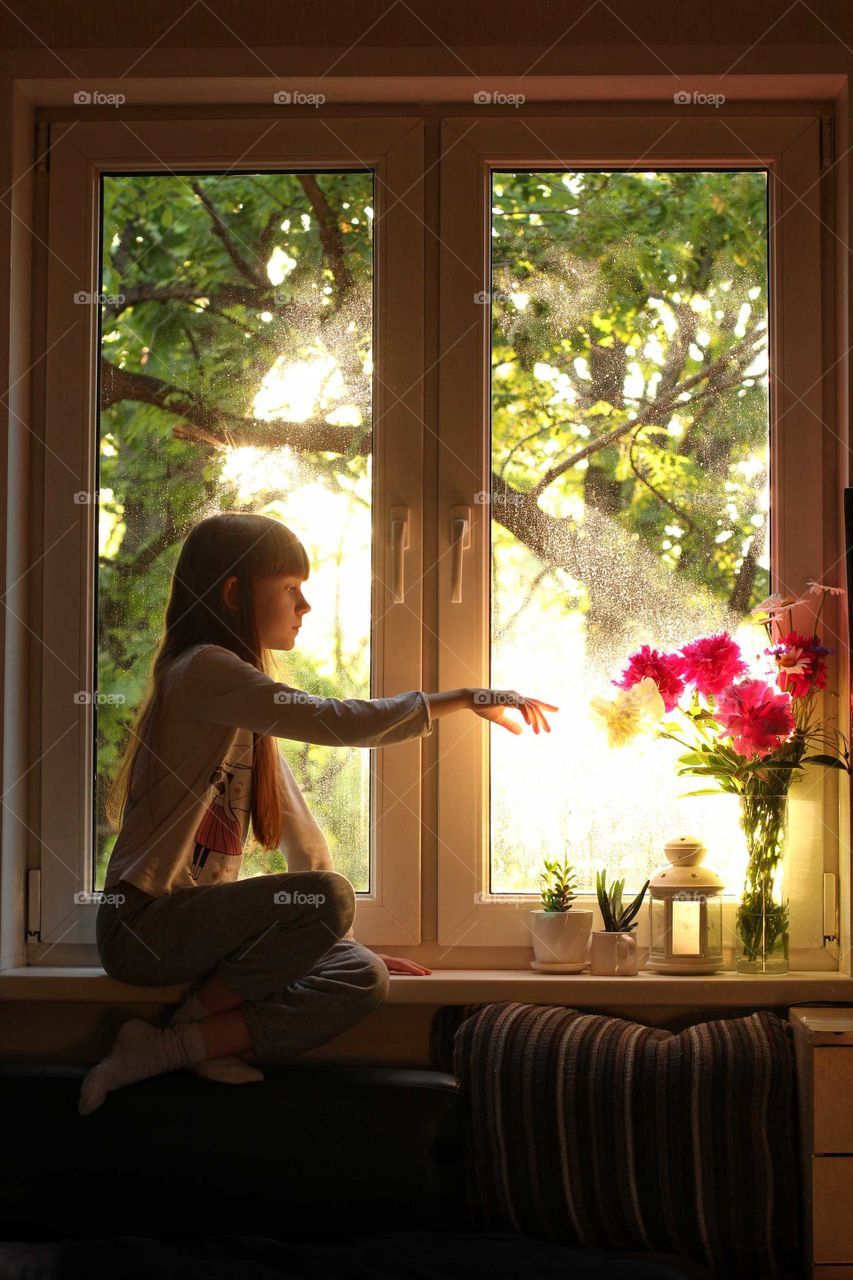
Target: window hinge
<point>34,904</point>
<point>830,908</point>
<point>827,142</point>
<point>41,158</point>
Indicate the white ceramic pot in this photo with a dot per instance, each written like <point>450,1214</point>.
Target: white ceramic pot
<point>613,954</point>
<point>560,937</point>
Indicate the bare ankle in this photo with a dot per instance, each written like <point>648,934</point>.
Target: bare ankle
<point>225,1033</point>
<point>217,996</point>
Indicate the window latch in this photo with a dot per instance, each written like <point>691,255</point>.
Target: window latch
<point>830,908</point>
<point>400,541</point>
<point>460,541</point>
<point>34,903</point>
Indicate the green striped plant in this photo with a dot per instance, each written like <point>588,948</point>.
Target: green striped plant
<point>617,919</point>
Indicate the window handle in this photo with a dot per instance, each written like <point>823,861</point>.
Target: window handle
<point>400,540</point>
<point>830,908</point>
<point>460,540</point>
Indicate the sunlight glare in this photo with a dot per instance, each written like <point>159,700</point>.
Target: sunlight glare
<point>296,390</point>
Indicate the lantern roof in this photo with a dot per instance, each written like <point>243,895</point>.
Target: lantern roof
<point>684,871</point>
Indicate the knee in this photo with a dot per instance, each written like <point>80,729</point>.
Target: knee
<point>117,969</point>
<point>337,901</point>
<point>374,980</point>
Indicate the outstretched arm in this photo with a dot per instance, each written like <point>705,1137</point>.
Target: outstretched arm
<point>492,704</point>
<point>442,704</point>
<point>219,688</point>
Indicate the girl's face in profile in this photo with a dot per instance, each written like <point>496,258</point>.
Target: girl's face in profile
<point>279,607</point>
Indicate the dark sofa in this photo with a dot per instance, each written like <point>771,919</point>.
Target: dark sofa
<point>320,1171</point>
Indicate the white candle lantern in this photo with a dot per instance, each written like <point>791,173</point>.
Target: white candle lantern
<point>687,912</point>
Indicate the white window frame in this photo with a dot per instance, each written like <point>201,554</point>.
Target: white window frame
<point>805,538</point>
<point>458,923</point>
<point>79,152</point>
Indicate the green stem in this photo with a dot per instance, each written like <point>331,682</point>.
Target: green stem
<point>762,915</point>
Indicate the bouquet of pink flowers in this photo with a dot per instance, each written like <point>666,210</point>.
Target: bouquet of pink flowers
<point>743,727</point>
<point>748,735</point>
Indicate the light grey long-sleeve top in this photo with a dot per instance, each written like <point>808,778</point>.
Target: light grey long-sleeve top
<point>188,826</point>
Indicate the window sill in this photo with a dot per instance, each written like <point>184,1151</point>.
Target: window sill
<point>470,986</point>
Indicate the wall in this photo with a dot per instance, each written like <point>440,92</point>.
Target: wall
<point>396,51</point>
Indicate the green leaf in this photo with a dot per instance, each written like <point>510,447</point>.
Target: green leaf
<point>755,765</point>
<point>830,761</point>
<point>627,916</point>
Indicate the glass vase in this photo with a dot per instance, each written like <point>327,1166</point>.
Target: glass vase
<point>762,917</point>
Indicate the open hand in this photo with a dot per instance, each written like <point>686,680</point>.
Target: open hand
<point>397,965</point>
<point>492,704</point>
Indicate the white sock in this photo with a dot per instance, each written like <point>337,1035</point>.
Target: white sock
<point>226,1070</point>
<point>140,1051</point>
<point>189,1010</point>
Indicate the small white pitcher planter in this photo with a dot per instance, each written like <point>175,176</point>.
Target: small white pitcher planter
<point>560,940</point>
<point>614,954</point>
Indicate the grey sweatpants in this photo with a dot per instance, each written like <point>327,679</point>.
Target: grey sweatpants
<point>276,939</point>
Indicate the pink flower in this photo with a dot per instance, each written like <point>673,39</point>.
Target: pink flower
<point>755,717</point>
<point>801,662</point>
<point>664,668</point>
<point>712,663</point>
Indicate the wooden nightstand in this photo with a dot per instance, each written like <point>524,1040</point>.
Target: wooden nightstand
<point>823,1042</point>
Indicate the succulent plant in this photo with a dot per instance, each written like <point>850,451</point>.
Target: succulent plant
<point>559,890</point>
<point>617,919</point>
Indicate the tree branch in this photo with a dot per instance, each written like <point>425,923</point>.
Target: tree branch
<point>217,428</point>
<point>682,515</point>
<point>652,412</point>
<point>745,581</point>
<point>329,234</point>
<point>224,235</point>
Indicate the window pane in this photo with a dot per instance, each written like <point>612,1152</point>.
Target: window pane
<point>629,491</point>
<point>237,327</point>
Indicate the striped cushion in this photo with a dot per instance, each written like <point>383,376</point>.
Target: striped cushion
<point>592,1130</point>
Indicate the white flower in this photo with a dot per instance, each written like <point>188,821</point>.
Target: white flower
<point>776,604</point>
<point>630,712</point>
<point>793,663</point>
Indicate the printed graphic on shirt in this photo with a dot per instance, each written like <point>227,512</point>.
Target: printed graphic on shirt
<point>221,834</point>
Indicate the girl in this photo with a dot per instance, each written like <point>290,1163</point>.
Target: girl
<point>272,962</point>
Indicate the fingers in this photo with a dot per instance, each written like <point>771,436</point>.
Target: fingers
<point>532,711</point>
<point>396,964</point>
<point>509,724</point>
<point>520,705</point>
<point>538,717</point>
<point>531,716</point>
<point>536,705</point>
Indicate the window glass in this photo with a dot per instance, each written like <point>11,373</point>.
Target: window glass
<point>629,491</point>
<point>236,331</point>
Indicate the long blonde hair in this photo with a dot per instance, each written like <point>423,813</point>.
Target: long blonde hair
<point>227,544</point>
